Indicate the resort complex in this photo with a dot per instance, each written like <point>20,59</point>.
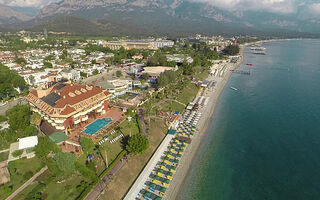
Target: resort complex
<point>68,105</point>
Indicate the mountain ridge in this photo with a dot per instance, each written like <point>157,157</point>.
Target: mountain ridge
<point>163,17</point>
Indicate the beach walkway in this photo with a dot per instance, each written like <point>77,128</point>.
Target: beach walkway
<point>144,176</point>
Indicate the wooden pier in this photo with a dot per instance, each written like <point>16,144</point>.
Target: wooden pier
<point>244,72</point>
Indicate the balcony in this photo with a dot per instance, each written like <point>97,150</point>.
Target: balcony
<point>60,127</point>
<point>85,118</point>
<point>59,121</point>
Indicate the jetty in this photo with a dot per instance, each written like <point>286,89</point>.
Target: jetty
<point>244,72</point>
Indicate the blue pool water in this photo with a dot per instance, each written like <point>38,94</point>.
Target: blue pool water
<point>96,125</point>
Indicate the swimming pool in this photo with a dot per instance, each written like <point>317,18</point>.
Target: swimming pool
<point>96,126</point>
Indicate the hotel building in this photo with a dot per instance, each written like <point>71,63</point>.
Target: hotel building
<point>69,105</point>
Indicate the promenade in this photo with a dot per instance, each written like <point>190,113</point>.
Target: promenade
<point>143,177</point>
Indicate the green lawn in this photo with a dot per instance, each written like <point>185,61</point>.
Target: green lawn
<point>172,106</point>
<point>188,93</point>
<point>4,156</point>
<point>115,148</point>
<point>112,150</point>
<point>51,189</point>
<point>200,73</point>
<point>20,171</point>
<point>69,189</point>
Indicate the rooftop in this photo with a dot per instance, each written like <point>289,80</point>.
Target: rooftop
<point>58,137</point>
<point>28,142</point>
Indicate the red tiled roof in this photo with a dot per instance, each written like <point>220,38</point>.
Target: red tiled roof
<point>69,95</point>
<point>34,92</point>
<point>67,110</point>
<point>107,93</point>
<point>71,88</point>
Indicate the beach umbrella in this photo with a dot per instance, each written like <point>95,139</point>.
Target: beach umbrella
<point>164,168</point>
<point>160,174</point>
<point>163,190</point>
<point>166,185</point>
<point>156,182</point>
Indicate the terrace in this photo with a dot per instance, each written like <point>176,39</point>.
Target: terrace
<point>114,113</point>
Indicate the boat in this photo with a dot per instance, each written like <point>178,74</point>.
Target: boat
<point>249,64</point>
<point>233,88</point>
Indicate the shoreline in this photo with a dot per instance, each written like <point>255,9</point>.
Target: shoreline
<point>187,160</point>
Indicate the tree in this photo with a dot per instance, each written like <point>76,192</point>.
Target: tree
<point>145,76</point>
<point>47,64</point>
<point>95,72</point>
<point>137,144</point>
<point>36,119</point>
<point>30,130</point>
<point>83,74</point>
<point>65,161</point>
<point>87,144</point>
<point>232,50</point>
<point>20,61</point>
<point>45,146</point>
<point>49,57</point>
<point>17,153</point>
<point>9,80</point>
<point>187,69</point>
<point>118,73</point>
<point>19,117</point>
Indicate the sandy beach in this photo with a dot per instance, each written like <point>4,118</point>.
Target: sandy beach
<point>208,113</point>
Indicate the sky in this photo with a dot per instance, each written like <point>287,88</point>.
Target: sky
<point>27,3</point>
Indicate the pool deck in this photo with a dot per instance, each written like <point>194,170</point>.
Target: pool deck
<point>86,127</point>
<point>115,113</point>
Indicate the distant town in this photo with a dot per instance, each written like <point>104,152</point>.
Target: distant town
<point>91,118</point>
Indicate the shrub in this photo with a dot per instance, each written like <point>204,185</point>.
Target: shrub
<point>65,161</point>
<point>17,153</point>
<point>137,144</point>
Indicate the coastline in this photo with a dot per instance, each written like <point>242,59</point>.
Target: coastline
<point>189,155</point>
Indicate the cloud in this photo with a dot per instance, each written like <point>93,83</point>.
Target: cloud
<point>26,3</point>
<point>275,6</point>
<point>315,8</point>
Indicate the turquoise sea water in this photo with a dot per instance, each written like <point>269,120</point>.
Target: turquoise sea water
<point>264,141</point>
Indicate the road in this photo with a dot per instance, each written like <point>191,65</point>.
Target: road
<point>96,191</point>
<point>11,104</point>
<point>104,74</point>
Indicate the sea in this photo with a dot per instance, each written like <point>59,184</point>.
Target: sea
<point>264,139</point>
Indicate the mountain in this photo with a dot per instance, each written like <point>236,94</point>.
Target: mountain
<point>165,17</point>
<point>8,15</point>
